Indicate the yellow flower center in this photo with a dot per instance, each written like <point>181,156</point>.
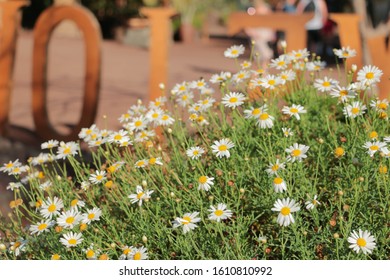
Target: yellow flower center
<point>339,151</point>
<point>294,110</point>
<point>126,251</point>
<point>99,177</point>
<point>382,169</point>
<point>355,111</point>
<point>103,257</point>
<point>137,256</point>
<point>222,148</point>
<point>84,226</point>
<point>281,63</point>
<point>233,99</point>
<point>140,164</point>
<point>109,184</point>
<point>90,254</point>
<point>165,117</point>
<point>72,241</point>
<point>369,75</point>
<point>42,227</point>
<point>140,195</point>
<point>9,165</point>
<point>361,242</point>
<point>275,167</point>
<point>152,161</point>
<point>343,92</point>
<point>373,134</point>
<point>234,52</point>
<point>182,88</point>
<point>138,123</point>
<point>202,179</point>
<point>296,153</point>
<point>117,137</point>
<point>285,211</point>
<point>218,213</point>
<point>326,84</point>
<point>55,257</point>
<point>264,116</point>
<point>69,220</point>
<point>184,97</point>
<point>278,180</point>
<point>256,112</point>
<point>374,148</point>
<point>67,150</point>
<point>382,106</point>
<point>52,208</point>
<point>91,216</point>
<point>271,82</point>
<point>196,153</point>
<point>187,220</point>
<point>74,202</point>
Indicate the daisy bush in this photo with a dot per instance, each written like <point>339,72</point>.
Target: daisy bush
<point>288,162</point>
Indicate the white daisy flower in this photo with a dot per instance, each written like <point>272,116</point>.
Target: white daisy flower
<point>18,247</point>
<point>51,207</point>
<point>126,250</point>
<point>220,212</point>
<point>241,76</point>
<point>287,75</point>
<point>86,133</point>
<point>140,196</point>
<point>299,54</point>
<point>199,84</point>
<point>373,147</point>
<point>10,166</point>
<point>287,132</point>
<point>310,204</point>
<point>265,120</point>
<point>158,102</point>
<point>187,221</point>
<point>315,66</point>
<point>76,203</point>
<point>14,185</point>
<point>270,81</point>
<point>297,152</point>
<point>141,163</point>
<point>369,75</point>
<point>219,78</point>
<point>294,111</point>
<point>206,103</point>
<point>343,93</point>
<point>71,239</point>
<point>279,185</point>
<point>362,241</point>
<point>233,99</point>
<point>49,144</point>
<point>355,109</point>
<point>138,254</point>
<point>285,207</point>
<point>253,113</point>
<point>221,147</point>
<point>180,88</point>
<point>42,226</point>
<point>91,253</point>
<point>154,115</point>
<point>325,85</point>
<point>67,149</point>
<point>91,215</point>
<point>246,64</point>
<point>273,168</point>
<point>137,124</point>
<point>280,63</point>
<point>69,219</point>
<point>118,136</point>
<point>234,51</point>
<point>205,183</point>
<point>166,120</point>
<point>344,52</point>
<point>98,177</point>
<point>185,99</point>
<point>155,161</point>
<point>195,152</point>
<point>379,105</point>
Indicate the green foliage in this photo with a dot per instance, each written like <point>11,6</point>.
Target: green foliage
<point>147,187</point>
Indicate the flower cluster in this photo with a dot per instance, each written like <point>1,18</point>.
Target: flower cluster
<point>251,159</point>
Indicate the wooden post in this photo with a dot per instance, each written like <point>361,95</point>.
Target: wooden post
<point>349,34</point>
<point>160,38</point>
<point>8,34</point>
<point>44,27</point>
<point>292,24</point>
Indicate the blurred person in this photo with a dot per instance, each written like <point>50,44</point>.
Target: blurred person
<point>262,37</point>
<point>314,26</point>
<point>287,6</point>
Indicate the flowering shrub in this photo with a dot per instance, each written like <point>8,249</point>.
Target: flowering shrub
<point>280,163</point>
